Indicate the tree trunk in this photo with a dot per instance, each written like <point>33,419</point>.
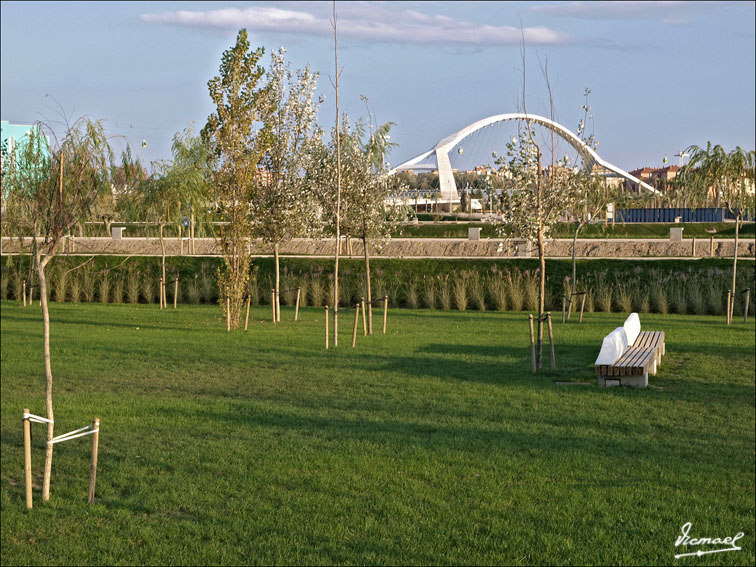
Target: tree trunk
<point>367,280</point>
<point>541,263</point>
<point>191,231</point>
<point>574,271</point>
<point>162,263</point>
<point>277,296</point>
<point>735,266</point>
<point>41,265</point>
<point>338,187</point>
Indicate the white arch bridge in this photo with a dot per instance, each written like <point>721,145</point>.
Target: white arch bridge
<point>441,151</point>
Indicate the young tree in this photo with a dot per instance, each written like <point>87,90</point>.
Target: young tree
<point>50,189</point>
<point>588,194</point>
<point>365,190</point>
<point>534,205</point>
<point>237,141</point>
<point>282,207</point>
<point>730,177</point>
<point>176,189</point>
<point>338,183</point>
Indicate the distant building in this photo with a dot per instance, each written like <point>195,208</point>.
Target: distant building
<point>644,173</point>
<point>12,136</point>
<point>666,173</point>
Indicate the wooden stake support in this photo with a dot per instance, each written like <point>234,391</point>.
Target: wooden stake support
<point>356,320</point>
<point>273,303</point>
<point>582,306</point>
<point>564,307</point>
<point>175,292</point>
<point>93,462</point>
<point>24,293</point>
<point>729,306</point>
<point>228,314</point>
<point>385,312</point>
<point>27,460</point>
<point>326,327</point>
<point>693,251</point>
<point>711,246</point>
<point>246,319</point>
<point>532,344</point>
<point>747,301</point>
<point>551,340</point>
<point>364,319</point>
<point>336,325</point>
<point>296,308</point>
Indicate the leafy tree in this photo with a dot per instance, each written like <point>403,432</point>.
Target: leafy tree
<point>365,188</point>
<point>175,190</point>
<point>729,177</point>
<point>283,208</point>
<point>588,194</point>
<point>50,189</point>
<point>237,142</point>
<point>533,205</point>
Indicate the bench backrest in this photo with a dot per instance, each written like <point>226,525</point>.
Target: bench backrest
<point>632,328</point>
<point>613,347</point>
<point>616,343</point>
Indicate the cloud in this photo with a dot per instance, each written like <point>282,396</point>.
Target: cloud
<point>667,12</point>
<point>368,21</point>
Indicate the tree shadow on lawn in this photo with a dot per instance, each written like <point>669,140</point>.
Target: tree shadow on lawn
<point>399,436</point>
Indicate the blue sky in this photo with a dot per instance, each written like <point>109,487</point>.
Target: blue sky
<point>663,75</point>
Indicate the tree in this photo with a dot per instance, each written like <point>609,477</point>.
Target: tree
<point>338,183</point>
<point>588,195</point>
<point>282,207</point>
<point>730,178</point>
<point>365,190</point>
<point>50,189</point>
<point>534,205</point>
<point>237,142</point>
<point>176,190</point>
<point>190,173</point>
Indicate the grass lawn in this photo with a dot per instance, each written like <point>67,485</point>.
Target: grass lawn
<point>433,444</point>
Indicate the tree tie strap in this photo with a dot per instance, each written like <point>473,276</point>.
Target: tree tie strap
<point>88,430</point>
<point>36,418</point>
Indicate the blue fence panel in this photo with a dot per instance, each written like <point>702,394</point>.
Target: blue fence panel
<point>686,214</point>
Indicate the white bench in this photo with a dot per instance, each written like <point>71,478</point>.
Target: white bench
<point>628,355</point>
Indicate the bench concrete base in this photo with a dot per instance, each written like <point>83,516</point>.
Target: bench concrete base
<point>632,381</point>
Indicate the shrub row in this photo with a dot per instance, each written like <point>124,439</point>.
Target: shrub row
<point>660,286</point>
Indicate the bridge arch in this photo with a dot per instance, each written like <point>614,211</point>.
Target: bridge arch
<point>441,151</point>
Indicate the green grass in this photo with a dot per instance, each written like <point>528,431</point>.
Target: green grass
<point>567,230</point>
<point>433,444</point>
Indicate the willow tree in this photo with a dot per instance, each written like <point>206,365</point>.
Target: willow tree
<point>365,189</point>
<point>729,178</point>
<point>237,140</point>
<point>51,188</point>
<point>283,208</point>
<point>176,190</point>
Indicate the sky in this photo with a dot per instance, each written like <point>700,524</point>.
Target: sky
<point>662,75</point>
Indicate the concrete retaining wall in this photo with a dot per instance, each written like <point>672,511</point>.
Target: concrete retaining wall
<point>418,248</point>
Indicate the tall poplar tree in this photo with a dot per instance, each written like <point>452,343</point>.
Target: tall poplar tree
<point>238,139</point>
